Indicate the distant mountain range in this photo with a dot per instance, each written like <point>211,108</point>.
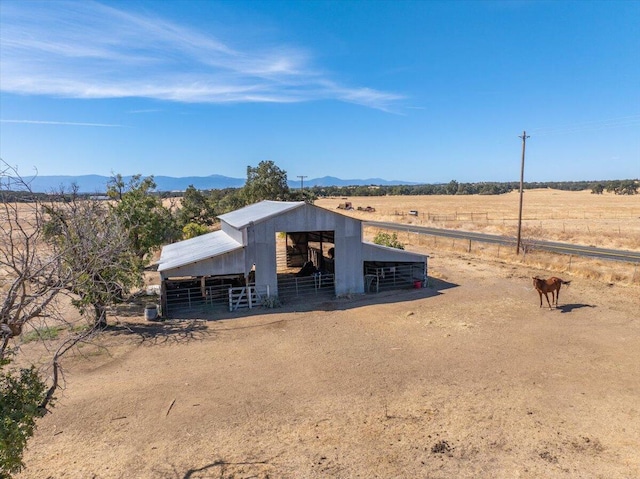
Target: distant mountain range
<point>333,181</point>
<point>98,184</point>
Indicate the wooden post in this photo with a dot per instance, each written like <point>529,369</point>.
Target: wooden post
<point>164,305</point>
<point>524,142</point>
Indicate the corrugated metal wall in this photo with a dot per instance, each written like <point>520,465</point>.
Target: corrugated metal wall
<point>261,246</point>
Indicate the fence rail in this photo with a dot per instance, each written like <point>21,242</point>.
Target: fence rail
<point>250,296</point>
<point>190,298</point>
<point>291,286</point>
<point>392,277</point>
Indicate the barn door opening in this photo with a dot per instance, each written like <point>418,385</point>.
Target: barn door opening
<point>305,263</point>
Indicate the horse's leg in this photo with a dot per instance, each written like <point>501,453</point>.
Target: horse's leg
<point>540,293</point>
<point>547,296</point>
<point>558,293</point>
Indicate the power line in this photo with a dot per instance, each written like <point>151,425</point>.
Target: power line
<point>302,177</point>
<point>595,125</point>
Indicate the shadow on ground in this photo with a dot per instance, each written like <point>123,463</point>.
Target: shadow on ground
<point>322,302</point>
<point>159,332</point>
<point>219,469</point>
<point>567,308</point>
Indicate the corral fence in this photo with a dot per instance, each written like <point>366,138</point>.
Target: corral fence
<point>216,298</point>
<point>291,286</point>
<point>192,298</point>
<point>386,278</point>
<point>248,297</point>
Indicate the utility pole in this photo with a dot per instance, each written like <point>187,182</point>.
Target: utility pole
<point>524,142</point>
<point>302,177</point>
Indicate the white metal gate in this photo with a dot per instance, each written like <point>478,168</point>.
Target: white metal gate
<point>250,296</point>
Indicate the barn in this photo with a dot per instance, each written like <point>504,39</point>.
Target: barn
<point>277,249</point>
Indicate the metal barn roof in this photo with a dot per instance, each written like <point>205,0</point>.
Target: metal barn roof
<point>196,249</point>
<point>258,212</point>
<point>376,252</point>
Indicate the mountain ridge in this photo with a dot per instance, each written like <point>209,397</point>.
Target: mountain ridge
<point>98,183</point>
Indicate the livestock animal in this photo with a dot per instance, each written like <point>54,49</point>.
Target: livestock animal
<point>546,286</point>
<point>308,269</point>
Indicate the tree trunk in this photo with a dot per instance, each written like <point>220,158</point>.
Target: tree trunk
<point>100,316</point>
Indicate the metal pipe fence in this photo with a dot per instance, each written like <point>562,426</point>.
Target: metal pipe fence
<point>291,286</point>
<point>381,278</point>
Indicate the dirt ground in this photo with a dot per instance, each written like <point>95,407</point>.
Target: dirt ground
<point>467,378</point>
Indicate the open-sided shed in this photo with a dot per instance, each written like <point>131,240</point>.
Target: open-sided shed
<point>244,252</point>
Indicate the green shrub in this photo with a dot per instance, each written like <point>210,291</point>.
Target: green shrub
<point>191,230</point>
<point>21,393</point>
<point>386,239</point>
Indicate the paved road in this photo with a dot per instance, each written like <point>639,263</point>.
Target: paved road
<point>563,248</point>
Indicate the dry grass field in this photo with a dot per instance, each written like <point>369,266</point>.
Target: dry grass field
<point>467,378</point>
<point>606,221</point>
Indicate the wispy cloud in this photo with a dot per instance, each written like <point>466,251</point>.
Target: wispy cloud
<point>148,110</point>
<point>90,50</point>
<point>64,123</point>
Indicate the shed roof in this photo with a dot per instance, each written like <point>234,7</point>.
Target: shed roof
<point>196,249</point>
<point>376,252</point>
<point>258,212</point>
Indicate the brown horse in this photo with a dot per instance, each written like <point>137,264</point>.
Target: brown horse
<point>551,285</point>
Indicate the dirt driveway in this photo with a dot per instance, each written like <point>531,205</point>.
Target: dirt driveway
<point>467,379</point>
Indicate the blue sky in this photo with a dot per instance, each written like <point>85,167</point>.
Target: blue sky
<point>421,91</point>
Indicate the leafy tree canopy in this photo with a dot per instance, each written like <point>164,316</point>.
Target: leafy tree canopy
<point>191,230</point>
<point>148,223</point>
<point>265,182</point>
<point>96,248</point>
<point>197,207</point>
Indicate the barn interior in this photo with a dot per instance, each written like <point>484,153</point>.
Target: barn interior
<point>305,263</point>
